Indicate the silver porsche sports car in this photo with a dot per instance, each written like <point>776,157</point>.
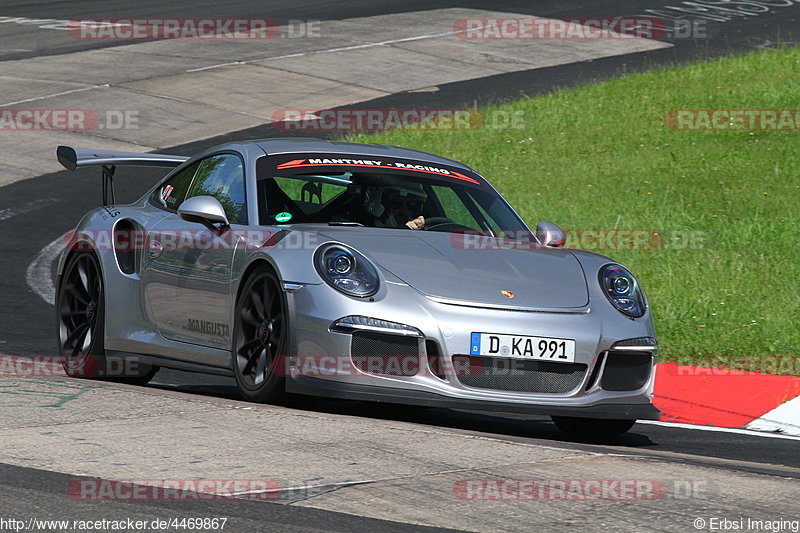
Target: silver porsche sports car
<point>355,271</point>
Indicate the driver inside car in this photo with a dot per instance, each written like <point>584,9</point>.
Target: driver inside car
<point>400,206</point>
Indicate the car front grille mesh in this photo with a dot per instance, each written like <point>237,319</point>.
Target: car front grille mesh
<point>386,355</point>
<point>518,375</point>
<point>626,371</point>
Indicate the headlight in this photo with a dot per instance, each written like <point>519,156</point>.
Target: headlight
<point>623,290</point>
<point>346,270</point>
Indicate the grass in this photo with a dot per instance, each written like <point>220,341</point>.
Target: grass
<point>600,156</point>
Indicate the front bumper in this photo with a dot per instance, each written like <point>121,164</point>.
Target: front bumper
<point>447,328</point>
<point>353,391</point>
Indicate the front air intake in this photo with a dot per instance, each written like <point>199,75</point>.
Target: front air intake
<point>626,371</point>
<point>518,375</point>
<point>385,355</point>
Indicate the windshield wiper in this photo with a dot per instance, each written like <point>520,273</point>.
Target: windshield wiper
<point>343,223</point>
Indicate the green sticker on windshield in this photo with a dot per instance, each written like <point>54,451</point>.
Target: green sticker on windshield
<point>283,217</point>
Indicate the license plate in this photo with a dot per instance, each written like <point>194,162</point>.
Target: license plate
<point>523,347</point>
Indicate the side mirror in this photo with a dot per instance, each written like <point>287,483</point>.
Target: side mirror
<point>203,209</point>
<point>550,235</point>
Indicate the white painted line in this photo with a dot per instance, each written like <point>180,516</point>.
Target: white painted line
<point>5,214</point>
<point>56,94</point>
<point>738,431</point>
<point>45,24</point>
<point>39,274</point>
<point>784,418</point>
<point>340,49</point>
<point>232,63</point>
<point>330,486</point>
<point>373,44</point>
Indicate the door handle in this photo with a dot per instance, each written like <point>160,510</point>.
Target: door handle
<point>154,249</point>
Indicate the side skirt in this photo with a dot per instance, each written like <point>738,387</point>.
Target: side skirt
<point>166,362</point>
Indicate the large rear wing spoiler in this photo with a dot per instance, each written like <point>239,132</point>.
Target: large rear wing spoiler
<point>72,158</point>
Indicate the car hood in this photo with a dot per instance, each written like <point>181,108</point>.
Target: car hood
<point>439,265</point>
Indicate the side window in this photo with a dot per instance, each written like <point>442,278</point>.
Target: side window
<point>172,193</point>
<point>454,207</point>
<point>222,176</point>
<point>308,195</point>
<point>487,217</point>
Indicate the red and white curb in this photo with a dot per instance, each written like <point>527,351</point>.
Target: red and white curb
<point>784,418</point>
<point>728,398</point>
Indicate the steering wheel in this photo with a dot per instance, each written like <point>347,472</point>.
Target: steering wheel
<point>432,222</point>
<point>443,224</point>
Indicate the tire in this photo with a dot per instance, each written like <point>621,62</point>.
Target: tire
<point>592,428</point>
<point>80,326</point>
<point>260,339</point>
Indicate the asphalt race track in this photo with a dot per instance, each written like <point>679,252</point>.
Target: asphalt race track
<point>25,40</point>
<point>35,213</point>
<point>26,490</point>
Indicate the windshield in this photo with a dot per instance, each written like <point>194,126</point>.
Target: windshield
<point>386,200</point>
